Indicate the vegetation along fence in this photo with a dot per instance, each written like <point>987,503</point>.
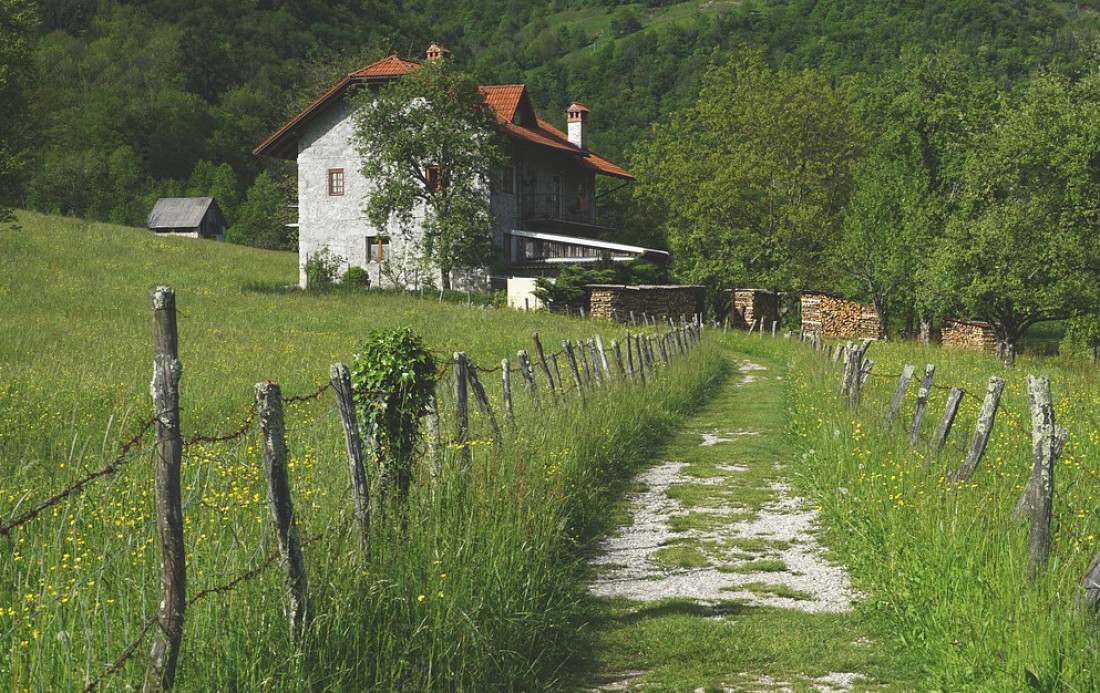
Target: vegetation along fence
<point>1047,441</point>
<point>223,484</point>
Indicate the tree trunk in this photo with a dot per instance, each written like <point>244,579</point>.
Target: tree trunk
<point>445,279</point>
<point>1092,352</point>
<point>1006,349</point>
<point>924,335</point>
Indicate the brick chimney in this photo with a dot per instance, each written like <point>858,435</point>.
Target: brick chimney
<point>577,118</point>
<point>436,51</point>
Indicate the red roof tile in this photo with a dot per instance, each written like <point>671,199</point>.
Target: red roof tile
<point>503,99</point>
<point>391,66</point>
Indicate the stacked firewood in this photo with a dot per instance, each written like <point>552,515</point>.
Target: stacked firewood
<point>833,316</point>
<point>753,306</point>
<point>968,334</point>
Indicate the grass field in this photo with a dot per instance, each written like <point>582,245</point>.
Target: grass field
<point>477,589</point>
<point>946,568</point>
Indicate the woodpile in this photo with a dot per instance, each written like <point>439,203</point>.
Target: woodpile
<point>752,305</point>
<point>833,316</point>
<point>618,301</point>
<point>968,334</point>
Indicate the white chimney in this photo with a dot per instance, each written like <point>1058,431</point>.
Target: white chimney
<point>577,118</point>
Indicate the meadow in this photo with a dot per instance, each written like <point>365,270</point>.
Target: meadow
<point>477,588</point>
<point>946,568</point>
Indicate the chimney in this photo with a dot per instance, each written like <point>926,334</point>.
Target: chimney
<point>436,51</point>
<point>577,118</point>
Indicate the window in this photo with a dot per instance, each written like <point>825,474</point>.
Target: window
<point>336,181</point>
<point>509,180</point>
<point>377,248</point>
<point>434,176</point>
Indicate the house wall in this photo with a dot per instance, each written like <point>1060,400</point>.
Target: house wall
<point>339,222</point>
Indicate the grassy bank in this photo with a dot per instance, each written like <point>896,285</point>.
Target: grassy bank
<point>947,567</point>
<point>476,589</point>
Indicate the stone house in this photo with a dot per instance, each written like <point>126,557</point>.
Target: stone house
<point>193,217</point>
<point>543,198</point>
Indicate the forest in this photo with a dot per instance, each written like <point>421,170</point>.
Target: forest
<point>110,104</point>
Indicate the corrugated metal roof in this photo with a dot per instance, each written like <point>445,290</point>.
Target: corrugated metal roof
<point>178,212</point>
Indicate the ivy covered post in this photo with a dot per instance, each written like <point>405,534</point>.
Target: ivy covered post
<point>393,380</point>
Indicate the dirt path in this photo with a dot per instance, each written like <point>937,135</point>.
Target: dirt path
<point>717,538</point>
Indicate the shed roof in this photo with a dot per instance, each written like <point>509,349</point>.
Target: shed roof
<point>178,212</point>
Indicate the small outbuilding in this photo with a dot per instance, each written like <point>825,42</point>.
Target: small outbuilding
<point>192,217</point>
<point>752,306</point>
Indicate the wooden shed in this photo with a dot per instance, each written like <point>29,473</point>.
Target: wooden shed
<point>618,301</point>
<point>748,306</point>
<point>192,217</point>
<point>834,316</point>
<point>968,334</point>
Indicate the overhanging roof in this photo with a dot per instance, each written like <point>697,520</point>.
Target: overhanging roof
<point>588,243</point>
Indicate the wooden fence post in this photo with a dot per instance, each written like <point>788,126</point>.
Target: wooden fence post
<point>581,353</point>
<point>982,430</point>
<point>482,400</point>
<point>340,377</point>
<point>506,378</point>
<point>594,359</point>
<point>922,402</point>
<point>462,405</point>
<point>1024,505</point>
<point>545,367</point>
<point>641,361</point>
<point>855,378</point>
<point>775,326</point>
<point>269,406</point>
<point>939,437</point>
<point>603,360</point>
<point>557,373</point>
<point>572,359</point>
<point>629,355</point>
<point>849,349</point>
<point>899,394</point>
<point>618,354</point>
<point>167,370</point>
<point>1089,595</point>
<point>528,373</point>
<point>660,350</point>
<point>1042,473</point>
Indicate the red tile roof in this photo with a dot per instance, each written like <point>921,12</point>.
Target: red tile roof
<point>504,99</point>
<point>391,66</point>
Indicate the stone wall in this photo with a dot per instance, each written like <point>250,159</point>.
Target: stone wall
<point>616,301</point>
<point>968,334</point>
<point>833,316</point>
<point>751,305</point>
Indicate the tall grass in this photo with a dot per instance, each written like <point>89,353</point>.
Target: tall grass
<point>476,588</point>
<point>947,566</point>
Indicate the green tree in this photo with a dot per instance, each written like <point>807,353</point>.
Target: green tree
<point>1025,248</point>
<point>17,22</point>
<point>262,218</point>
<point>429,143</point>
<point>750,182</point>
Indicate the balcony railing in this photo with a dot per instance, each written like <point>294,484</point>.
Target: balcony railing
<point>559,208</point>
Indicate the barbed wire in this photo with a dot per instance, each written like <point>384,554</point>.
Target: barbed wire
<point>116,464</point>
<point>127,653</point>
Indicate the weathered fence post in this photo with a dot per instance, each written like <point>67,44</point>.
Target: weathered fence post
<point>849,348</point>
<point>661,354</point>
<point>629,356</point>
<point>557,373</point>
<point>603,360</point>
<point>462,406</point>
<point>528,373</point>
<point>340,378</point>
<point>899,394</point>
<point>1088,598</point>
<point>1042,473</point>
<point>1024,505</point>
<point>922,402</point>
<point>572,359</point>
<point>775,326</point>
<point>269,406</point>
<point>939,437</point>
<point>581,353</point>
<point>167,370</point>
<point>506,382</point>
<point>982,431</point>
<point>482,399</point>
<point>545,367</point>
<point>641,358</point>
<point>594,358</point>
<point>854,371</point>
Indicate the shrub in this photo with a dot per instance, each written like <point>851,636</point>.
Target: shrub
<point>356,276</point>
<point>322,268</point>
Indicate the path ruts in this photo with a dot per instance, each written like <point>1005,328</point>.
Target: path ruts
<point>718,582</point>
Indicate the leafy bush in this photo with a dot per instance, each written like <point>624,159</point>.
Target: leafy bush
<point>568,290</point>
<point>355,276</point>
<point>322,268</point>
<point>392,382</point>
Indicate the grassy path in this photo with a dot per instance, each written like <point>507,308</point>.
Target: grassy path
<point>716,581</point>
